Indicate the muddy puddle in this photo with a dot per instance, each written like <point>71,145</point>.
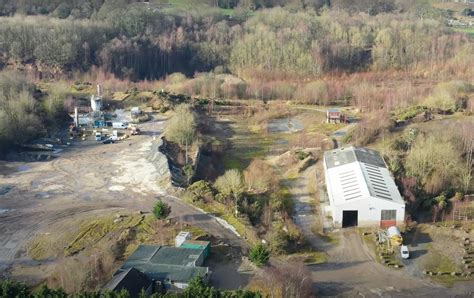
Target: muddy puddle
<point>285,125</point>
<point>4,189</point>
<point>23,168</point>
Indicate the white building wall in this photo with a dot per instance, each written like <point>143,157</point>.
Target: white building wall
<point>369,208</point>
<point>369,211</point>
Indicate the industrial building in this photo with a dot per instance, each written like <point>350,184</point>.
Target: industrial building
<point>361,189</point>
<point>155,268</point>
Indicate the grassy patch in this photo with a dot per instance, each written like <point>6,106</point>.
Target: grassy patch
<point>242,228</point>
<point>120,96</point>
<point>330,238</point>
<point>87,233</point>
<point>245,146</point>
<point>325,128</point>
<point>309,257</point>
<point>220,210</point>
<point>232,163</point>
<point>292,174</point>
<point>468,30</point>
<point>91,233</point>
<point>181,5</point>
<point>437,262</point>
<point>42,247</point>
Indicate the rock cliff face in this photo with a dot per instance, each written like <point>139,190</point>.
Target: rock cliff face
<point>161,162</point>
<point>176,160</point>
<point>172,155</point>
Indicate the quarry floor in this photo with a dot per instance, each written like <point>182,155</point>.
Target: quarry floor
<point>88,178</point>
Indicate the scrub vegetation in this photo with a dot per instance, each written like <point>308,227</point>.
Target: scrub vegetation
<point>225,73</point>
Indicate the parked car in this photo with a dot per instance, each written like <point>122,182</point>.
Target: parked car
<point>404,252</point>
<point>109,141</point>
<point>120,125</point>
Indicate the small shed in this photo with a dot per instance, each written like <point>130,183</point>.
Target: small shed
<point>181,237</point>
<point>335,116</point>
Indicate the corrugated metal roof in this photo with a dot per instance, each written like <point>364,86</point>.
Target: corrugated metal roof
<point>177,256</point>
<point>166,262</point>
<point>170,273</point>
<point>346,155</point>
<point>376,182</point>
<point>195,244</point>
<point>131,280</point>
<point>356,173</point>
<point>339,157</point>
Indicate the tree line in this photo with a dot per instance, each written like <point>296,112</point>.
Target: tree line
<point>135,42</point>
<point>79,9</point>
<point>25,114</point>
<point>197,288</point>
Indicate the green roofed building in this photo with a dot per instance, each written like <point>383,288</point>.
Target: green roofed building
<point>170,266</point>
<point>195,244</point>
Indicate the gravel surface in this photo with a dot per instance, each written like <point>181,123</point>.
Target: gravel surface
<point>90,178</point>
<point>351,270</point>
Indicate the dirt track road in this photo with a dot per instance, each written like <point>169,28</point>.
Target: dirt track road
<point>88,178</point>
<point>351,270</point>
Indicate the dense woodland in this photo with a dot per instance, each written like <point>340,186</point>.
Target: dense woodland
<point>389,59</point>
<point>304,38</point>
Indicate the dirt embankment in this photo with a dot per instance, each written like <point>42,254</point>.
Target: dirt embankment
<point>177,161</point>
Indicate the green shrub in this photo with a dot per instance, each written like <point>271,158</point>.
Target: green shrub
<point>259,255</point>
<point>448,97</point>
<point>201,190</point>
<point>161,210</point>
<point>10,288</point>
<point>408,113</point>
<point>301,155</point>
<point>281,201</point>
<point>278,242</point>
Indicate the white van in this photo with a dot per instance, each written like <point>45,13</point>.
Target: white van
<point>120,125</point>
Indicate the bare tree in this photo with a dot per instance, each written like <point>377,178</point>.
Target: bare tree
<point>285,280</point>
<point>182,127</point>
<point>260,177</point>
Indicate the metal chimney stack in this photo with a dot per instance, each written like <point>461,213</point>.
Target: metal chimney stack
<point>76,117</point>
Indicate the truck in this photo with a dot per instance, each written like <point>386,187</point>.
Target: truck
<point>120,125</point>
